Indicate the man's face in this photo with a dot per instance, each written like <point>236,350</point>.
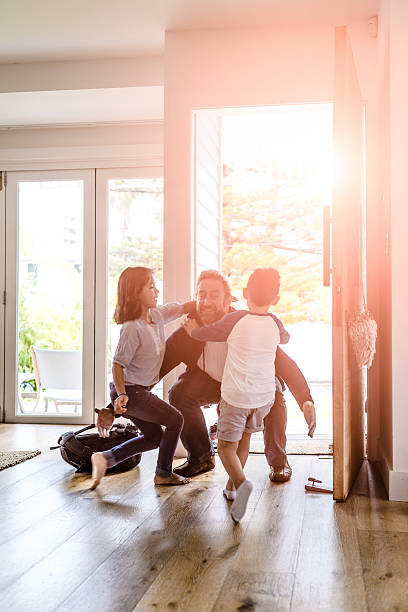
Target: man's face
<point>211,303</point>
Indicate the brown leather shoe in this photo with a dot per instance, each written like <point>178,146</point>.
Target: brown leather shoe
<point>281,473</point>
<point>192,469</point>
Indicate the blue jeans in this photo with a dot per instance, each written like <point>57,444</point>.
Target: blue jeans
<point>148,413</point>
<point>194,389</point>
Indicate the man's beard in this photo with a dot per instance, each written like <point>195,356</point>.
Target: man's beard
<point>210,315</point>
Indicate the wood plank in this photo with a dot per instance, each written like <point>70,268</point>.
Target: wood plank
<point>202,562</point>
<point>42,537</point>
<point>273,540</point>
<point>326,579</point>
<point>30,437</point>
<point>61,572</point>
<point>262,573</point>
<point>133,546</point>
<point>384,556</point>
<point>207,237</point>
<point>373,511</point>
<point>207,181</point>
<point>209,128</point>
<point>133,561</point>
<point>268,591</point>
<point>20,471</point>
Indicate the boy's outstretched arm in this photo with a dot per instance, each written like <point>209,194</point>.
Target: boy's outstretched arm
<point>219,331</point>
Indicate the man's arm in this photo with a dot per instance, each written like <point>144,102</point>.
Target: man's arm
<point>288,370</point>
<point>180,348</point>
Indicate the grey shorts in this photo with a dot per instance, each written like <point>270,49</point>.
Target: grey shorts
<point>234,421</point>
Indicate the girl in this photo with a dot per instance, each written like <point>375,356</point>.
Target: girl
<point>136,366</point>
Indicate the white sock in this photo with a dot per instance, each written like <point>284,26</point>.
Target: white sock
<point>239,505</point>
<point>229,494</point>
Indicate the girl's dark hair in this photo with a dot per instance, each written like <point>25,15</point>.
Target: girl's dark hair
<point>130,283</point>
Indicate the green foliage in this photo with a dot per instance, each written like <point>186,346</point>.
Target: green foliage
<point>43,326</point>
<point>136,251</point>
<point>255,225</point>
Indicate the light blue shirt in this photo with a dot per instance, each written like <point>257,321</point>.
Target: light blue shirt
<point>141,345</point>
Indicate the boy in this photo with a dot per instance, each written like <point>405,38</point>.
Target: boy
<point>248,382</point>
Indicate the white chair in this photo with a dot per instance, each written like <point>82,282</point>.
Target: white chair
<point>58,376</point>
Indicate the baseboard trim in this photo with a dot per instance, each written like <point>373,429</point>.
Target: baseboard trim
<point>398,486</point>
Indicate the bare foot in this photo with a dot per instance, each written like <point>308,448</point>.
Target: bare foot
<point>173,479</point>
<point>99,467</point>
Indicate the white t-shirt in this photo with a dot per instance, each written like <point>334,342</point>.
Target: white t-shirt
<point>212,359</point>
<point>249,374</point>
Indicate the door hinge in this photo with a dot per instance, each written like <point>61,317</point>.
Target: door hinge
<point>3,179</point>
<point>4,298</point>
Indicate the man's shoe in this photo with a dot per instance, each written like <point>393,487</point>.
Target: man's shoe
<point>281,473</point>
<point>187,469</point>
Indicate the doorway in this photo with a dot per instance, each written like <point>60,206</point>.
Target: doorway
<point>277,179</point>
<point>272,172</point>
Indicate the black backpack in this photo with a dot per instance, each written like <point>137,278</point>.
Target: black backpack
<point>77,448</point>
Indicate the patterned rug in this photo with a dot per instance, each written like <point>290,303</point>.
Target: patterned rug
<point>10,458</point>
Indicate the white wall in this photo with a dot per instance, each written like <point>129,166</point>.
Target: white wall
<point>207,69</point>
<point>221,68</point>
<point>398,486</point>
<point>381,371</point>
<point>41,145</point>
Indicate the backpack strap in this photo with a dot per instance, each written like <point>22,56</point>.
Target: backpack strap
<point>76,433</point>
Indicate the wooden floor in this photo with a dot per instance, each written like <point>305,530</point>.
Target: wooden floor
<point>131,546</point>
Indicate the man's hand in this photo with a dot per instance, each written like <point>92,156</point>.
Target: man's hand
<point>309,413</point>
<point>104,421</point>
<point>190,308</point>
<point>189,325</point>
<point>120,404</point>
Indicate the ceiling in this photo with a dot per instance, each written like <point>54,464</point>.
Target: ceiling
<point>55,30</point>
<point>63,30</point>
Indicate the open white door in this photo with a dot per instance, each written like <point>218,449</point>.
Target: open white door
<point>348,392</point>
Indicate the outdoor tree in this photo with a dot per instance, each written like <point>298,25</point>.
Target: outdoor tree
<point>279,226</point>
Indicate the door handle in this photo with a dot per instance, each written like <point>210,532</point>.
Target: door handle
<point>326,246</point>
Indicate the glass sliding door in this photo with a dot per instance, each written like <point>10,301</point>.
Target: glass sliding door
<point>129,230</point>
<point>50,249</point>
